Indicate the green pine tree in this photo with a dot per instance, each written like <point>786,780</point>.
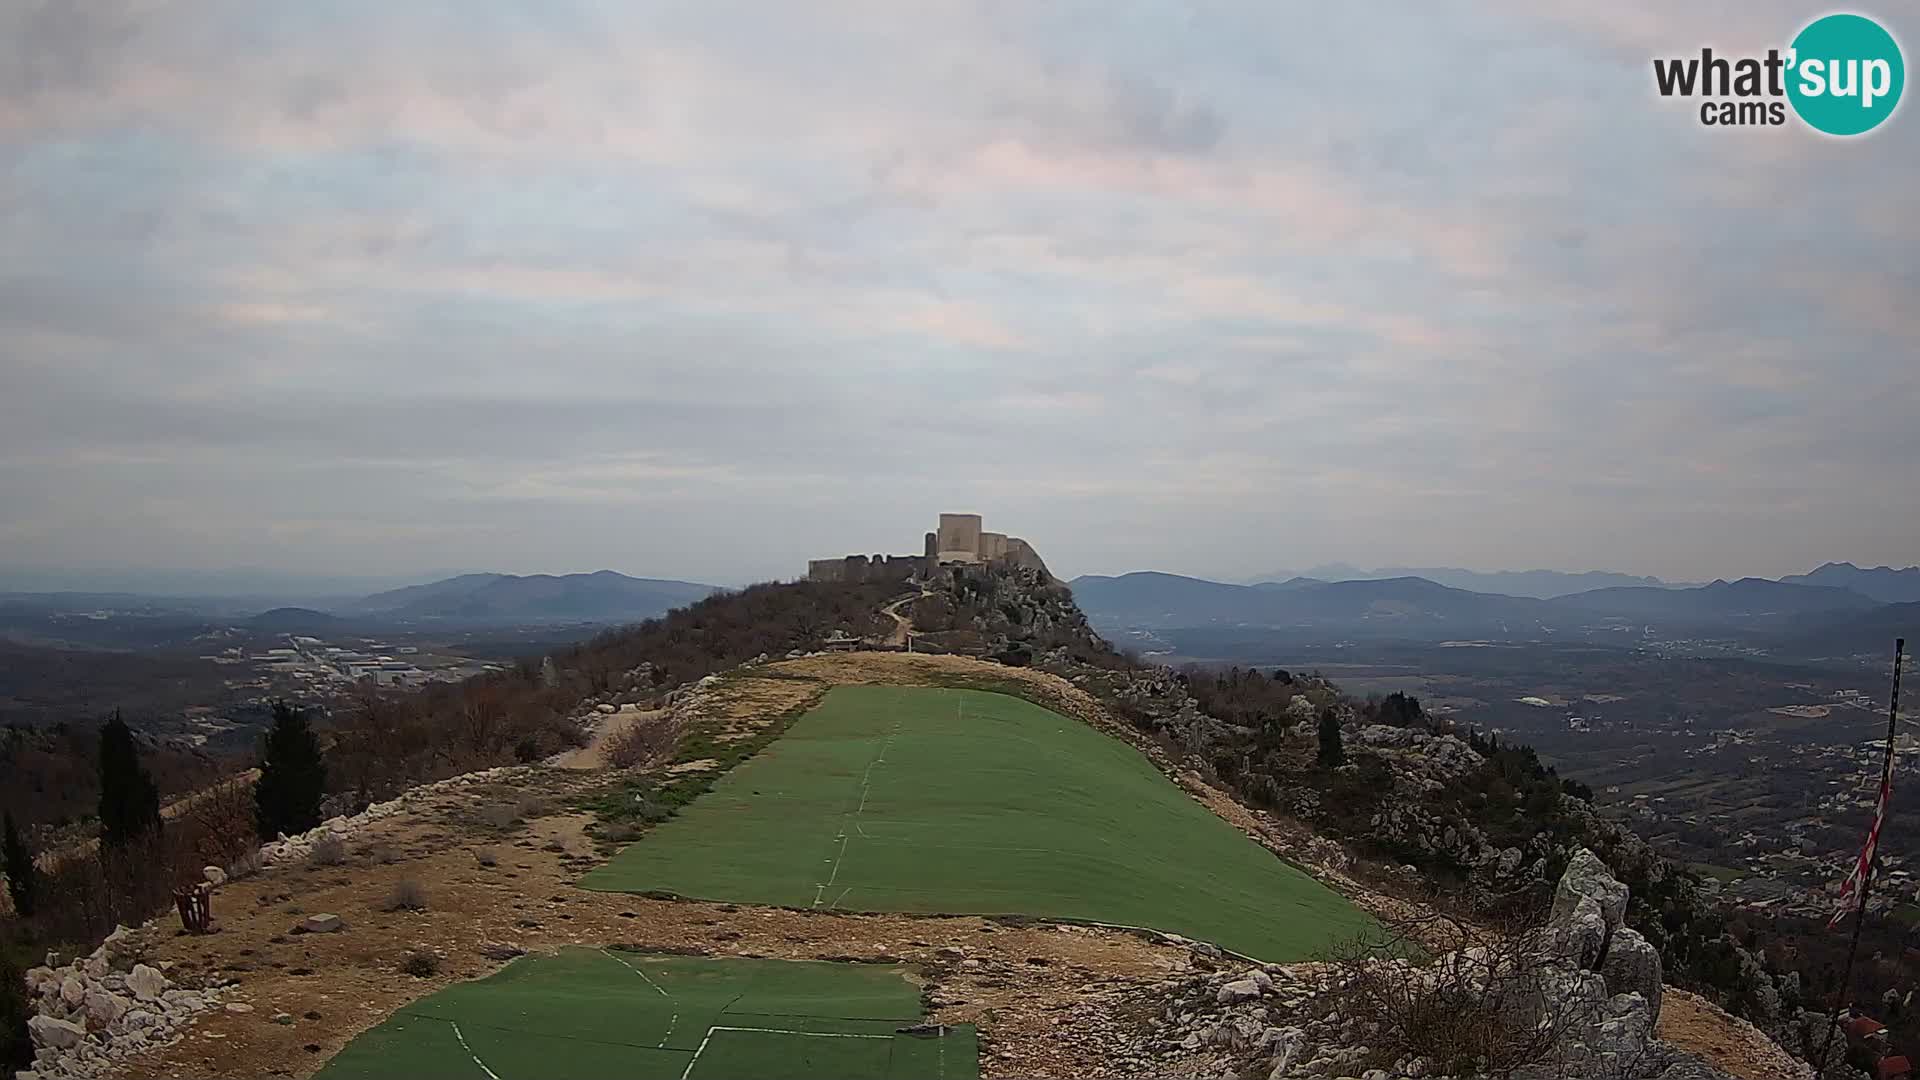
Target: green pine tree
<point>23,878</point>
<point>129,801</point>
<point>16,1041</point>
<point>1333,753</point>
<point>293,776</point>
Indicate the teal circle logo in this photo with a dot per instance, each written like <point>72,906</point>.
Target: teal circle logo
<point>1846,74</point>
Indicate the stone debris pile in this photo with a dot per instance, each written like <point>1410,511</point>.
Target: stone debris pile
<point>293,848</point>
<point>93,1013</point>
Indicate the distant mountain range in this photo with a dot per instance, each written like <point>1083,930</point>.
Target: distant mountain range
<point>1746,598</point>
<point>603,595</point>
<point>1882,583</point>
<point>1539,584</point>
<point>1416,607</point>
<point>1168,601</point>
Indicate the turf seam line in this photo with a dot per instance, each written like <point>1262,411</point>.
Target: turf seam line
<point>671,1023</point>
<point>470,1053</point>
<point>866,787</point>
<point>809,1034</point>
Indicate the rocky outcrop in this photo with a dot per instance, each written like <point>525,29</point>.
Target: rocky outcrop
<point>1586,979</point>
<point>94,1013</point>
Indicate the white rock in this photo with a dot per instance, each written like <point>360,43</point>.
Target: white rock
<point>104,1008</point>
<point>1238,990</point>
<point>57,1034</point>
<point>73,991</point>
<point>324,923</point>
<point>215,876</point>
<point>146,982</point>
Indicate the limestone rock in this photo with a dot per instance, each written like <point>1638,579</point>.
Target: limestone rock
<point>215,876</point>
<point>1586,876</point>
<point>58,1034</point>
<point>1632,966</point>
<point>73,991</point>
<point>105,1007</point>
<point>146,982</point>
<point>1238,990</point>
<point>325,923</point>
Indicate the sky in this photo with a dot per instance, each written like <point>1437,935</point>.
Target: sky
<point>702,290</point>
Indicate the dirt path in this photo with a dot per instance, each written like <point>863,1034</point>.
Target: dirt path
<point>594,754</point>
<point>902,625</point>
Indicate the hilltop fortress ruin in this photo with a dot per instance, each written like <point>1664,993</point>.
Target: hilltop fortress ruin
<point>959,541</point>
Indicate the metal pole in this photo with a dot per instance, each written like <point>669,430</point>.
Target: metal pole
<point>1866,880</point>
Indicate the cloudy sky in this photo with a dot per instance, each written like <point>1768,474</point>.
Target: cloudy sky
<point>703,289</point>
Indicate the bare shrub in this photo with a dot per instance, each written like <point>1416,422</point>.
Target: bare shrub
<point>245,865</point>
<point>486,857</point>
<point>1478,1007</point>
<point>329,850</point>
<point>421,964</point>
<point>500,816</point>
<point>642,743</point>
<point>532,807</point>
<point>222,820</point>
<point>623,833</point>
<point>407,895</point>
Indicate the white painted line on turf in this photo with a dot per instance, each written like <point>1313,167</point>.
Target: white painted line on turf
<point>671,1023</point>
<point>471,1054</point>
<point>688,1071</point>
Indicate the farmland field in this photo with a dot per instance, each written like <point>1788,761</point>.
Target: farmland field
<point>949,801</point>
<point>587,1013</point>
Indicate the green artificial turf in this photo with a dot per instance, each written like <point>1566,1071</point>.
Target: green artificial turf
<point>586,1014</point>
<point>966,802</point>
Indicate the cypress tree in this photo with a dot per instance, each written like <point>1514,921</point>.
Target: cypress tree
<point>16,1039</point>
<point>293,776</point>
<point>129,801</point>
<point>23,878</point>
<point>1332,753</point>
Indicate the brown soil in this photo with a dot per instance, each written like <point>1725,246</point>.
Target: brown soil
<point>1696,1025</point>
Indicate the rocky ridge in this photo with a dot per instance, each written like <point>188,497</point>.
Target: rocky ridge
<point>1585,978</point>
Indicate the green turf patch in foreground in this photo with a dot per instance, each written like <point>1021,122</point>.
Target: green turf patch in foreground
<point>960,801</point>
<point>587,1014</point>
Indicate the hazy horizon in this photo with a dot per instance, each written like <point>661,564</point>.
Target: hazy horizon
<point>262,582</point>
<point>704,291</point>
